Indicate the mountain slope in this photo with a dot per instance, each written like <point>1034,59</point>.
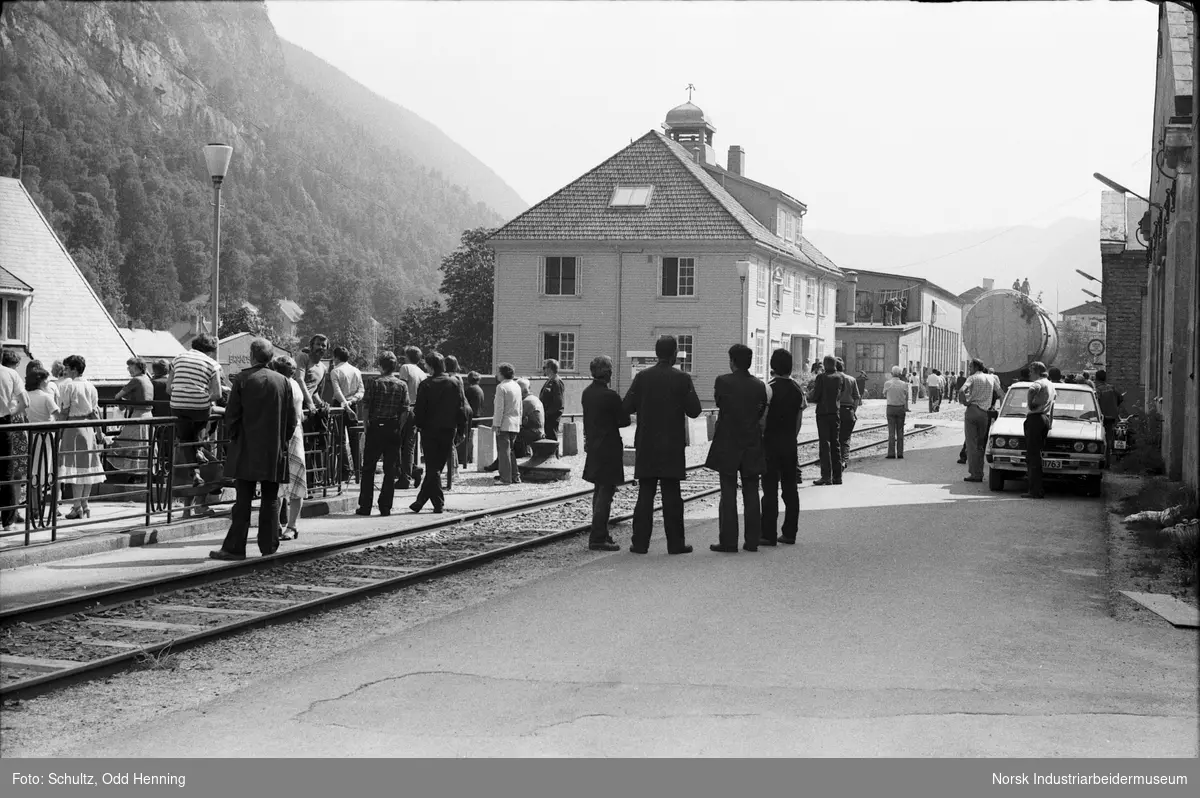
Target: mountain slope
<point>1048,256</point>
<point>117,100</point>
<point>396,127</point>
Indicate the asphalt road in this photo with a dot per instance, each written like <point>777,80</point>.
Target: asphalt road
<point>918,616</point>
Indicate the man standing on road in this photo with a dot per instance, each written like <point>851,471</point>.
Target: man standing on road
<point>603,418</point>
<point>385,411</point>
<point>506,423</point>
<point>825,392</point>
<point>1039,414</point>
<point>413,375</point>
<point>934,385</point>
<point>784,415</point>
<point>895,391</point>
<point>551,397</point>
<point>660,397</point>
<point>848,403</point>
<point>1109,399</point>
<point>259,419</point>
<point>737,448</point>
<point>978,393</point>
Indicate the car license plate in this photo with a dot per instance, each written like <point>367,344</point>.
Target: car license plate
<point>1118,444</point>
<point>1054,463</point>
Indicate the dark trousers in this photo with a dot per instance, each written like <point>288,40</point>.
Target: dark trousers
<point>383,441</point>
<point>466,449</point>
<point>408,451</point>
<point>1110,425</point>
<point>728,515</point>
<point>1035,441</point>
<point>268,518</point>
<point>553,424</point>
<point>848,418</point>
<point>895,422</point>
<point>781,473</point>
<point>8,492</point>
<point>436,445</point>
<point>602,498</point>
<point>828,430</point>
<point>643,513</point>
<point>935,399</point>
<point>189,426</point>
<point>975,424</point>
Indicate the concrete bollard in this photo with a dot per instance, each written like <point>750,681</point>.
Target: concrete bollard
<point>711,421</point>
<point>570,439</point>
<point>629,458</point>
<point>486,442</point>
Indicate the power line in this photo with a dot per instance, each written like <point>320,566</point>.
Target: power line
<point>1008,229</point>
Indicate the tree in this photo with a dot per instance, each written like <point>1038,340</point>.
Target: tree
<point>149,277</point>
<point>468,278</point>
<point>423,324</point>
<point>243,319</point>
<point>339,308</point>
<point>1073,339</point>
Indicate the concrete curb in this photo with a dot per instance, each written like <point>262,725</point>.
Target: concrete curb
<point>95,543</point>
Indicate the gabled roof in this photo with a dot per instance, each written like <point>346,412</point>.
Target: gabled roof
<point>291,310</point>
<point>1086,309</point>
<point>687,204</point>
<point>151,343</point>
<point>66,317</point>
<point>11,282</point>
<point>969,296</point>
<point>910,278</point>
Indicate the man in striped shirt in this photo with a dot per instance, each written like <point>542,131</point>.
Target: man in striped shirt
<point>193,385</point>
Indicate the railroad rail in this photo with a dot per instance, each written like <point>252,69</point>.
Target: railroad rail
<point>54,643</point>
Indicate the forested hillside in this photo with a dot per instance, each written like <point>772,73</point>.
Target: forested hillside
<point>116,100</point>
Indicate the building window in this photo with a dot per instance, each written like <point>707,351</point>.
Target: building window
<point>839,349</point>
<point>631,196</point>
<point>560,277</point>
<point>760,345</point>
<point>780,222</point>
<point>798,297</point>
<point>787,280</point>
<point>869,357</point>
<point>686,351</point>
<point>678,277</point>
<point>559,346</point>
<point>823,300</point>
<point>777,298</point>
<point>10,319</point>
<point>933,313</point>
<point>761,278</point>
<point>810,295</point>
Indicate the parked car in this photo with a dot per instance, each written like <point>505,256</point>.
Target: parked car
<point>1074,447</point>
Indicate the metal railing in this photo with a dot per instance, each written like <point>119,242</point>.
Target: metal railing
<point>132,460</point>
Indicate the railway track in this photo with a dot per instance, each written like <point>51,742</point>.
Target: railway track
<point>51,644</point>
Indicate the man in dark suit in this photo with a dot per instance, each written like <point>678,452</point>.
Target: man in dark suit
<point>825,392</point>
<point>259,420</point>
<point>660,396</point>
<point>604,467</point>
<point>737,448</point>
<point>849,402</point>
<point>784,415</point>
<point>441,413</point>
<point>551,397</point>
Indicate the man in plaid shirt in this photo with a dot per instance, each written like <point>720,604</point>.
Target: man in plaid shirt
<point>385,412</point>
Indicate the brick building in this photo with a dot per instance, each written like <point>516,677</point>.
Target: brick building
<point>1123,272</point>
<point>886,320</point>
<point>1089,316</point>
<point>654,241</point>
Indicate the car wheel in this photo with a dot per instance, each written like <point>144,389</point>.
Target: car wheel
<point>995,479</point>
<point>1094,486</point>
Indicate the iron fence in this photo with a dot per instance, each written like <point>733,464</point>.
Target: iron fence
<point>133,460</point>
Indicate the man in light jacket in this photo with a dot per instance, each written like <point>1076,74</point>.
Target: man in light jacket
<point>895,391</point>
<point>506,423</point>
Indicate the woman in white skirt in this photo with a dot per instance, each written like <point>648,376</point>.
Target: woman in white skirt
<point>79,460</point>
<point>296,489</point>
<point>132,444</point>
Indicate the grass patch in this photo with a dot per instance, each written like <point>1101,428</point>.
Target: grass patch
<point>1158,493</point>
<point>164,660</point>
<point>1162,560</point>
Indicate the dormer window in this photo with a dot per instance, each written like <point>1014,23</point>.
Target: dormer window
<point>631,196</point>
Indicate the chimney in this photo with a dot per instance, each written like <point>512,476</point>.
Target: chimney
<point>737,160</point>
<point>848,311</point>
<point>988,283</point>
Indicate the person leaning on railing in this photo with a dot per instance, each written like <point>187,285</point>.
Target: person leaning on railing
<point>12,400</point>
<point>193,385</point>
<point>132,443</point>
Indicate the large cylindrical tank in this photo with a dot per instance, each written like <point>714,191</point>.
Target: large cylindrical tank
<point>1008,330</point>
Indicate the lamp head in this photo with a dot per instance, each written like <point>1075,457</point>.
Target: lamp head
<point>743,268</point>
<point>217,157</point>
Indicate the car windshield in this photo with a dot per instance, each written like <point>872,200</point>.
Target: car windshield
<point>1069,403</point>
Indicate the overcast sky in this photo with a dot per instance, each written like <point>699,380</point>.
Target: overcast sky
<point>892,118</point>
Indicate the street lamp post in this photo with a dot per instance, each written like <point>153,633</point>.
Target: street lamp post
<point>743,268</point>
<point>1089,293</point>
<point>217,157</point>
<point>1090,277</point>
